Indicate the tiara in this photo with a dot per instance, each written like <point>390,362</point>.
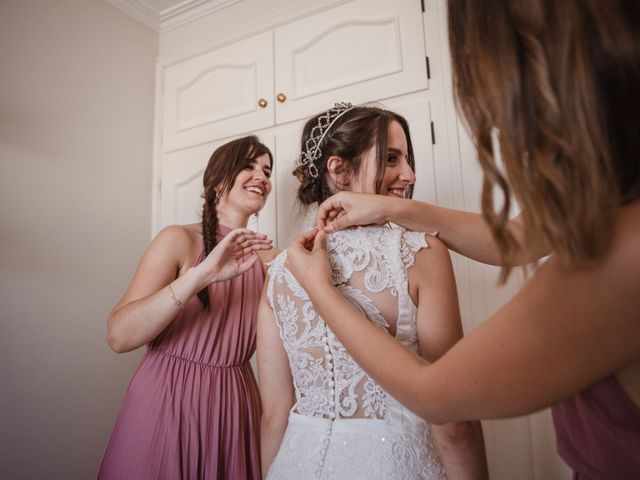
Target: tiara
<point>312,151</point>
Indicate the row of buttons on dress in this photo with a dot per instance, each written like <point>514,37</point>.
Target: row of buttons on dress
<point>330,373</point>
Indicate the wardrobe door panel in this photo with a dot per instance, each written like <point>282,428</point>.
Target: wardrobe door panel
<point>181,184</point>
<point>362,51</point>
<point>291,218</point>
<point>218,94</point>
<point>416,109</point>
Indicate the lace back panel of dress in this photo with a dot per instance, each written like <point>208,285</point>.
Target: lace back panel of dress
<point>369,267</point>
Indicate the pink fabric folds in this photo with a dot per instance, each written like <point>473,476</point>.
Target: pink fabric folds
<point>192,410</point>
<point>598,433</point>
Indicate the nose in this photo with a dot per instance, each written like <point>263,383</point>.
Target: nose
<point>259,175</point>
<point>407,176</point>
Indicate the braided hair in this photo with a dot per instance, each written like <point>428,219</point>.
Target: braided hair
<point>226,162</point>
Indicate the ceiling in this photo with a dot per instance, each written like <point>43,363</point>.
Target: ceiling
<point>165,15</point>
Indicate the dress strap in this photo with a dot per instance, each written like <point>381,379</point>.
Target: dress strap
<point>200,255</point>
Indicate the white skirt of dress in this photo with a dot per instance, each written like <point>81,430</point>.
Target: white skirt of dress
<point>357,448</point>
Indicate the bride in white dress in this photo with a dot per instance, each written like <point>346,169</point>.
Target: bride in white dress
<point>324,417</point>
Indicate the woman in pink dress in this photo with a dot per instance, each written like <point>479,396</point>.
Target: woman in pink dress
<point>192,410</point>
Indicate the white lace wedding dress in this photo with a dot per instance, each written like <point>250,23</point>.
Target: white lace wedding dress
<point>343,424</point>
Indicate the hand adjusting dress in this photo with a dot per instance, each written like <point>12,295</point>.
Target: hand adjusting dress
<point>192,410</point>
<point>344,425</point>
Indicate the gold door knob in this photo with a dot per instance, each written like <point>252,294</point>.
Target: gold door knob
<point>281,97</point>
<point>262,103</point>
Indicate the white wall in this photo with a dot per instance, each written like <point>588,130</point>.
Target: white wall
<point>76,118</point>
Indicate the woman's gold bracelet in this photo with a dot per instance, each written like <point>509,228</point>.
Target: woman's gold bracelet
<point>174,298</point>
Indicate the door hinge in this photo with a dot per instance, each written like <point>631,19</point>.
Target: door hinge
<point>422,5</point>
<point>428,69</point>
<point>433,134</point>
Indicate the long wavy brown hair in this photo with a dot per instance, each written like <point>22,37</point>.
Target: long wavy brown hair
<point>226,162</point>
<point>559,79</point>
<point>349,138</point>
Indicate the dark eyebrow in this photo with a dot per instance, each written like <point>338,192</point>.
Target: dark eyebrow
<point>253,161</point>
<point>397,151</point>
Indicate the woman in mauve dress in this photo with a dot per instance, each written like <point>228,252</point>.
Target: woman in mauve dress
<point>192,410</point>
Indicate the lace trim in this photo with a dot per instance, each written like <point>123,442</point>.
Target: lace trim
<point>412,243</point>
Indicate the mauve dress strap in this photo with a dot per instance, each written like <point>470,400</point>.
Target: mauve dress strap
<point>598,432</point>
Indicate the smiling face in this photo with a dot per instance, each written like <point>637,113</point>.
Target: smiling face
<point>398,174</point>
<point>250,189</point>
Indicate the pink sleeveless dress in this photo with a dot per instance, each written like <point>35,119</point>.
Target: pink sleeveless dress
<point>192,410</point>
<point>598,433</point>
